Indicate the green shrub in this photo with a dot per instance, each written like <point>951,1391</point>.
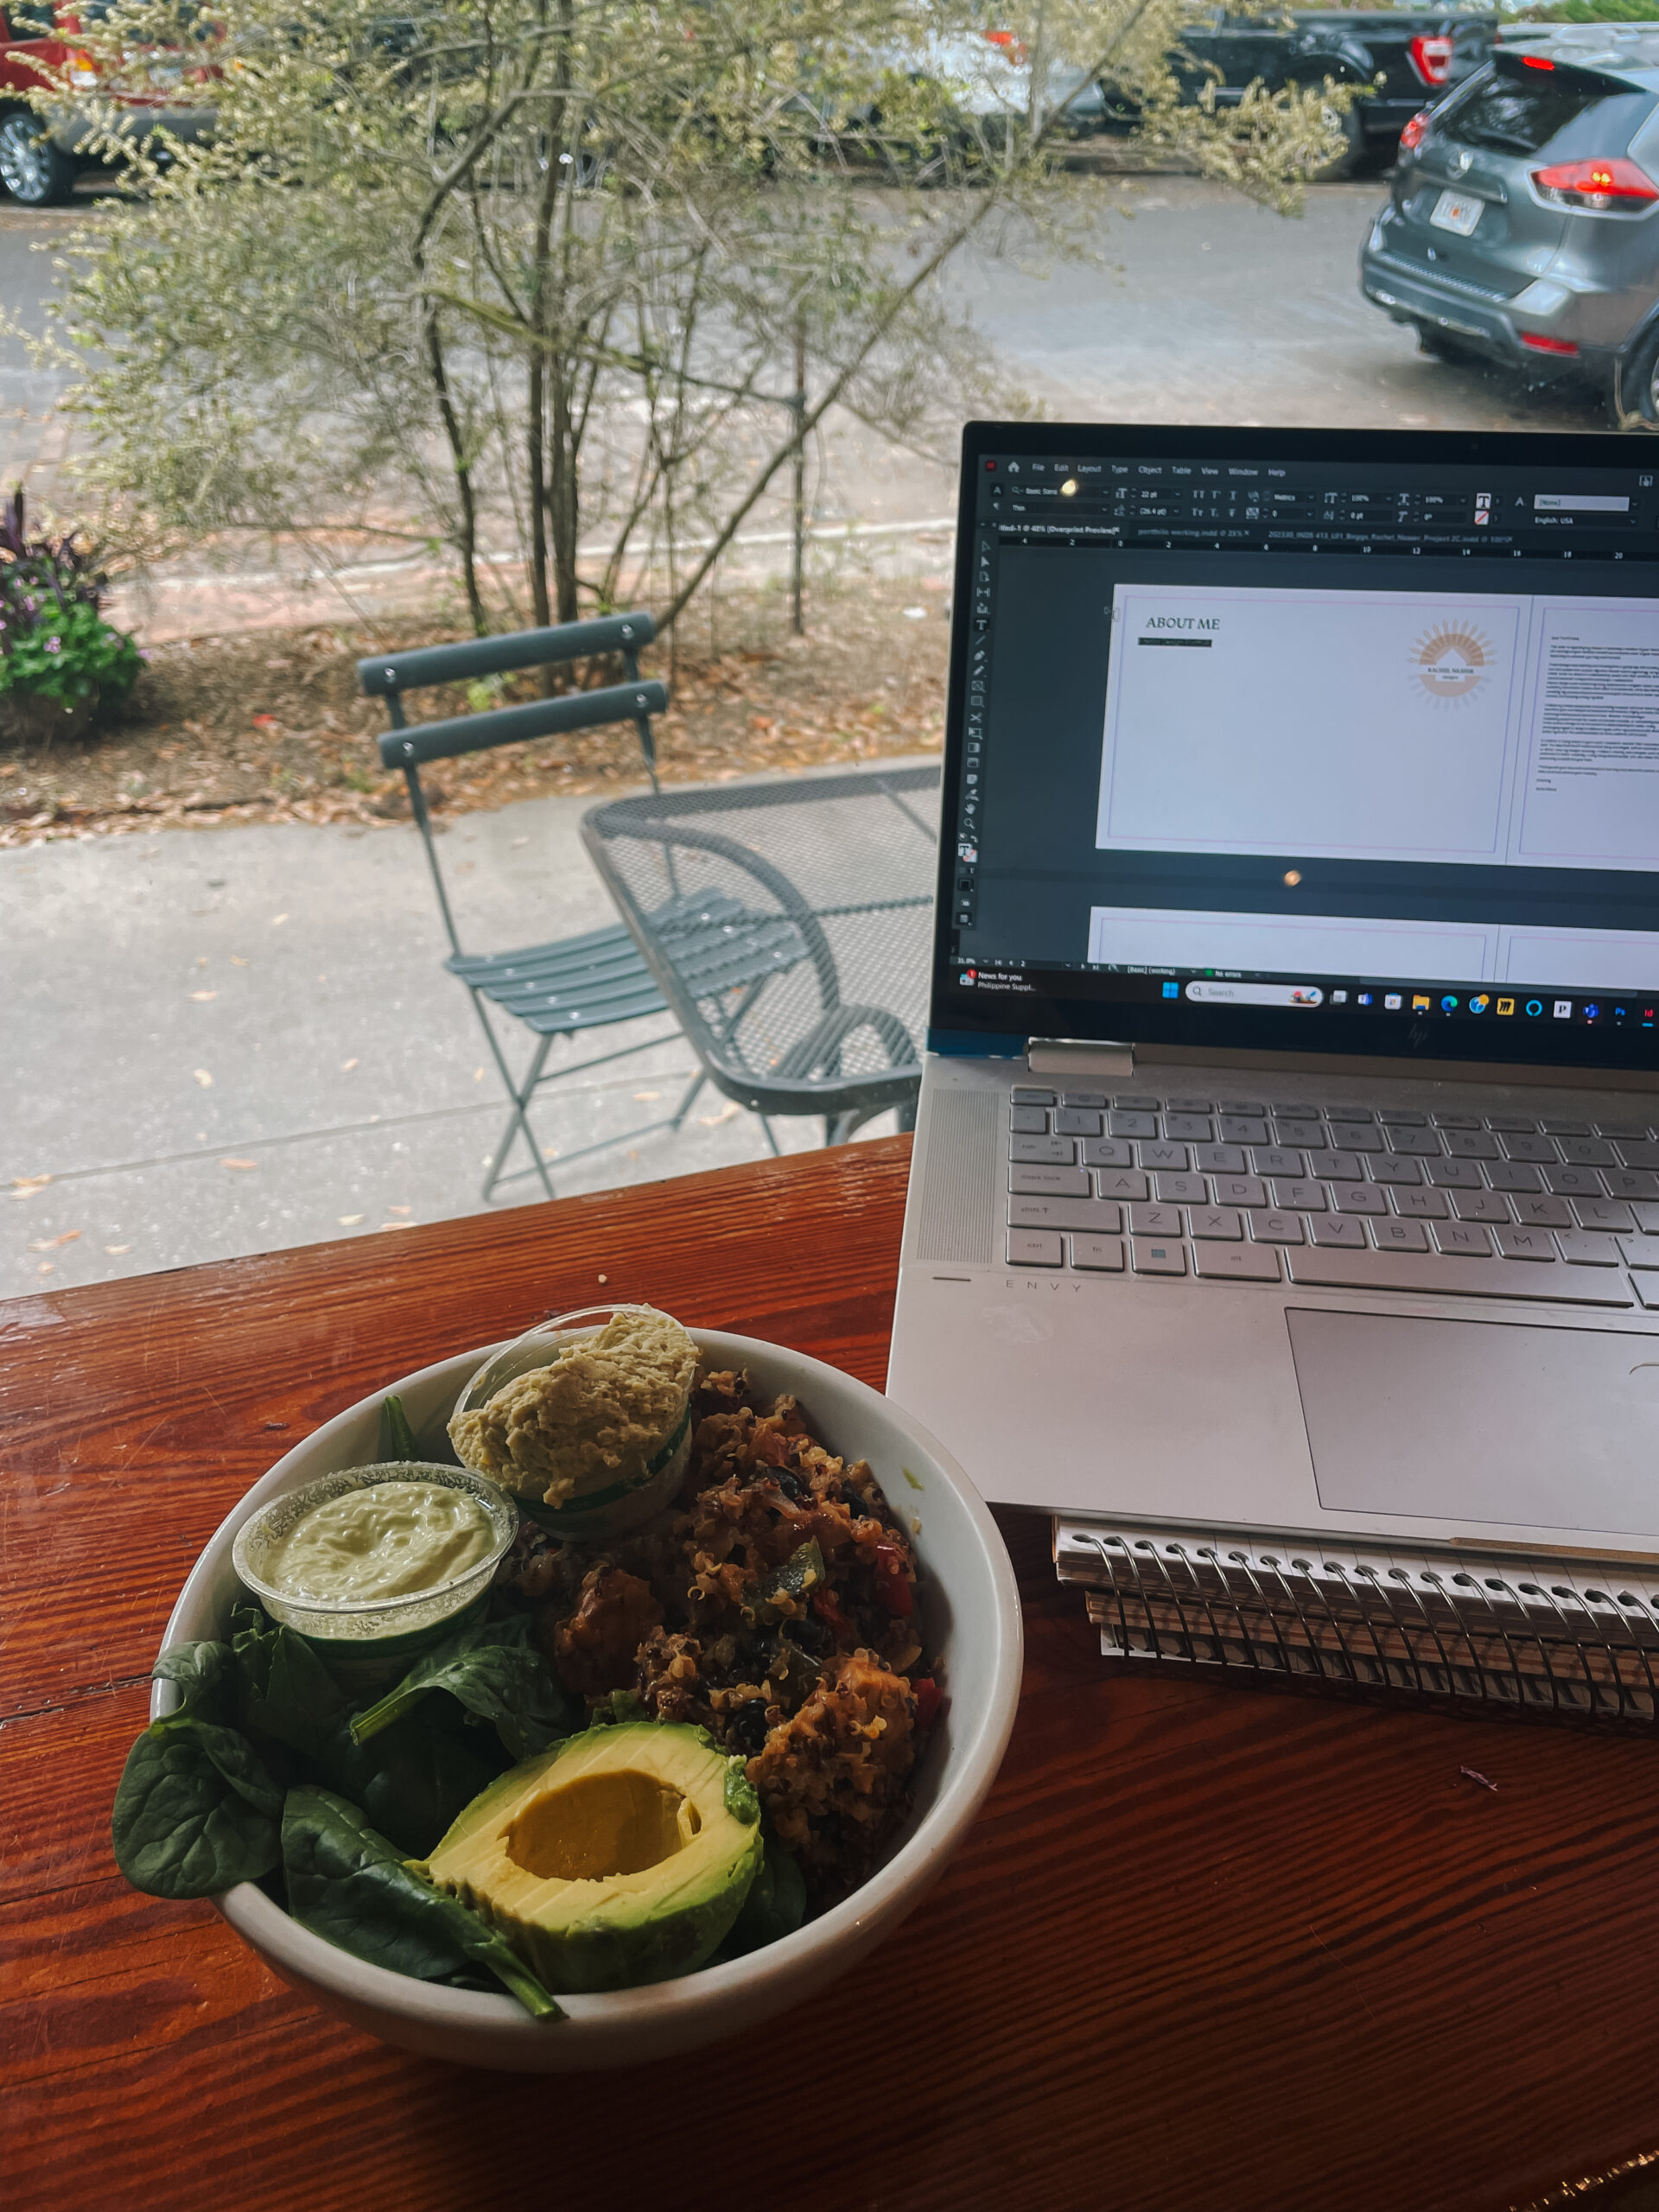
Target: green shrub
<point>54,643</point>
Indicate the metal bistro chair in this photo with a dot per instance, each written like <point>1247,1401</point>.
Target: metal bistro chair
<point>789,925</point>
<point>575,984</point>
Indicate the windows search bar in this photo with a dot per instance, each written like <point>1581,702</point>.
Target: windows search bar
<point>1208,994</point>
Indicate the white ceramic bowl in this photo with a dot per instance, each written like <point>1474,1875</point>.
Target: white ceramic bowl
<point>971,1626</point>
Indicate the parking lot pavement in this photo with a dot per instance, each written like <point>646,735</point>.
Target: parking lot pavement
<point>237,1040</point>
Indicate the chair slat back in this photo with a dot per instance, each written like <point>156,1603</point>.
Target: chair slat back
<point>406,745</point>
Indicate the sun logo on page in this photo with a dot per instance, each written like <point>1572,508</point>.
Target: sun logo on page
<point>1452,662</point>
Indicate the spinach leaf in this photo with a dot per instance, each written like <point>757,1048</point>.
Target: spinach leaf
<point>284,1691</point>
<point>397,1437</point>
<point>349,1885</point>
<point>494,1671</point>
<point>195,1811</point>
<point>775,1906</point>
<point>416,1780</point>
<point>206,1679</point>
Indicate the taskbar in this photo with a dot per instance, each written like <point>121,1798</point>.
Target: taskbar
<point>1345,995</point>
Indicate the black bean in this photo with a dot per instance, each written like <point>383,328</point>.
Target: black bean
<point>746,1726</point>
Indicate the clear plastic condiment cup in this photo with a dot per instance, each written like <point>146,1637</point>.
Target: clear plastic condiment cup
<point>618,1507</point>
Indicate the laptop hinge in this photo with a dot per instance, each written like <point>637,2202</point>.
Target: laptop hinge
<point>1078,1056</point>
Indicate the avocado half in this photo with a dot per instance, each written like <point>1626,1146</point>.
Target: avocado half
<point>618,1857</point>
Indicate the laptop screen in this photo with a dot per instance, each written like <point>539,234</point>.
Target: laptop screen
<point>1318,741</point>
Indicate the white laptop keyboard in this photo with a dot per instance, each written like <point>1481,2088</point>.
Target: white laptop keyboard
<point>1237,1189</point>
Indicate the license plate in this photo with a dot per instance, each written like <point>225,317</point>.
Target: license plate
<point>1456,211</point>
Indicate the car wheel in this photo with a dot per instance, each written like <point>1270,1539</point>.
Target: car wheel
<point>35,172</point>
<point>1638,382</point>
<point>1347,159</point>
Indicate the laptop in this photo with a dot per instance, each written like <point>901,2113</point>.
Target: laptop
<point>1287,1149</point>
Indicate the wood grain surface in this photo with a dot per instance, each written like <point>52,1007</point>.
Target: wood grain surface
<point>1206,1947</point>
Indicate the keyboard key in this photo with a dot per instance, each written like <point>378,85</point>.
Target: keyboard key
<point>1626,1132</point>
<point>1585,1251</point>
<point>1164,1154</point>
<point>1428,1273</point>
<point>1241,1128</point>
<point>1462,1239</point>
<point>1035,1248</point>
<point>1274,1228</point>
<point>1347,1167</point>
<point>1640,1251</point>
<point>1180,1190</point>
<point>1457,1174</point>
<point>1158,1258</point>
<point>1120,1183</point>
<point>1049,1183</point>
<point>1107,1152</point>
<point>1043,1152</point>
<point>1536,1148</point>
<point>1095,1099</point>
<point>1236,1262</point>
<point>1574,1182</point>
<point>1189,1126</point>
<point>1502,1177</point>
<point>1556,1128</point>
<point>1480,1205</point>
<point>1093,1214</point>
<point>1298,1109</point>
<point>1400,1236</point>
<point>1229,1159</point>
<point>1639,1155</point>
<point>1028,1121</point>
<point>1023,1095</point>
<point>1587,1152</point>
<point>1355,1136</point>
<point>1416,1144</point>
<point>1308,1134</point>
<point>1250,1106</point>
<point>1128,1104</point>
<point>1402,1118</point>
<point>1358,1198</point>
<point>1603,1213</point>
<point>1525,1243</point>
<point>1647,1218</point>
<point>1647,1288</point>
<point>1457,1121</point>
<point>1274,1160</point>
<point>1630,1183</point>
<point>1299,1196</point>
<point>1543,1213</point>
<point>1073,1122</point>
<point>1346,1113</point>
<point>1154,1221</point>
<point>1223,1224</point>
<point>1471,1145</point>
<point>1340,1228</point>
<point>1388,1169</point>
<point>1422,1205</point>
<point>1132,1124</point>
<point>1188,1106</point>
<point>1249,1190</point>
<point>1516,1124</point>
<point>1097,1256</point>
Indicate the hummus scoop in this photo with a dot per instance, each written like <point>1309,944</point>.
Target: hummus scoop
<point>586,1421</point>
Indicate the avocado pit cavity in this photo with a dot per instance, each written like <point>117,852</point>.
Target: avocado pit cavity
<point>601,1825</point>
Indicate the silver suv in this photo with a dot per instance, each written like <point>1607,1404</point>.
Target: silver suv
<point>1524,224</point>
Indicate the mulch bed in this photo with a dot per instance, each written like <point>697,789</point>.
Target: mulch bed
<point>271,726</point>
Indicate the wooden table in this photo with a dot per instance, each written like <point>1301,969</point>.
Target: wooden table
<point>1206,1947</point>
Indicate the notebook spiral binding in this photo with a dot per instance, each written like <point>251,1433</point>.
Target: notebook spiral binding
<point>1574,1641</point>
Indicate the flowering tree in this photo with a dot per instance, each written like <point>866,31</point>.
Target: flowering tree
<point>502,272</point>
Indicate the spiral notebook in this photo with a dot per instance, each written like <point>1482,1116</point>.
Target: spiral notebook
<point>1569,1641</point>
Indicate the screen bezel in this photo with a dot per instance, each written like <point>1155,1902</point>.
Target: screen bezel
<point>1371,1033</point>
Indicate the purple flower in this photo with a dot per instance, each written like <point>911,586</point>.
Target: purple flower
<point>52,645</point>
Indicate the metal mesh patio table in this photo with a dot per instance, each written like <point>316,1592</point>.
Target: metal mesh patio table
<point>788,924</point>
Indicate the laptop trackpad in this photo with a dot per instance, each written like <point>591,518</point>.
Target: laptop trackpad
<point>1481,1420</point>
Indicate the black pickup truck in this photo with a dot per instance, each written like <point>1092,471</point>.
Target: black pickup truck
<point>1411,56</point>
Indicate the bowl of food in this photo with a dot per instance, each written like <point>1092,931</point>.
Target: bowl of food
<point>685,1774</point>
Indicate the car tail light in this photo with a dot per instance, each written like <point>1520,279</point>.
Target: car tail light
<point>1541,344</point>
<point>1431,58</point>
<point>1613,188</point>
<point>1414,132</point>
<point>82,75</point>
<point>1536,62</point>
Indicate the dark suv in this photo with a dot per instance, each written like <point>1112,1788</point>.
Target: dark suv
<point>1524,224</point>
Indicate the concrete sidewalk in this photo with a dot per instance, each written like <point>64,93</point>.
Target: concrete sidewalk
<point>235,1040</point>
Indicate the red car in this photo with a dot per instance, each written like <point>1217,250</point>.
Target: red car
<point>39,161</point>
